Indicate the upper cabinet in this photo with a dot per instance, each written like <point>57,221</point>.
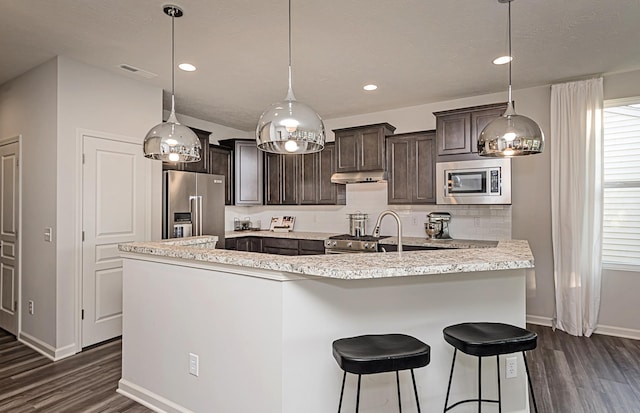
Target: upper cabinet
<point>302,179</point>
<point>221,163</point>
<point>411,160</point>
<point>457,130</point>
<point>248,171</point>
<point>361,148</point>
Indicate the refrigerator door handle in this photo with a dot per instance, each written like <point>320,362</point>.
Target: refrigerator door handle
<point>196,214</point>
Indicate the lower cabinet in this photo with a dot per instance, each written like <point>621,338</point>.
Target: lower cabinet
<point>411,160</point>
<point>278,246</point>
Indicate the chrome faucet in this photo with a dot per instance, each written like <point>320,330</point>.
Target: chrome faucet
<point>376,228</point>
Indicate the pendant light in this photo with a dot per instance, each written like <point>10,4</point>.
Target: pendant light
<point>290,126</point>
<point>511,134</point>
<point>171,141</point>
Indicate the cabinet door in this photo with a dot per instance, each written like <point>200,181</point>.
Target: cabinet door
<point>371,156</point>
<point>272,185</point>
<point>221,163</point>
<point>242,244</point>
<point>248,173</point>
<point>290,179</point>
<point>423,161</point>
<point>309,178</point>
<point>453,133</point>
<point>480,119</point>
<point>328,192</point>
<point>255,244</point>
<point>400,155</point>
<point>347,151</point>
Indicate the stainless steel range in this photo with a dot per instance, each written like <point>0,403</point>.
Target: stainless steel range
<point>348,244</point>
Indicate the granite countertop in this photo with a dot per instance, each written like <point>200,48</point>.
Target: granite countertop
<point>512,254</point>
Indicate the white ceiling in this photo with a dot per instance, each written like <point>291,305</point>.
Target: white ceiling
<point>417,51</point>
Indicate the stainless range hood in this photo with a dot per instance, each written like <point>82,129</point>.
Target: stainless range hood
<point>359,177</point>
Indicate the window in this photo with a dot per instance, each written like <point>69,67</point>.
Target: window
<point>621,224</point>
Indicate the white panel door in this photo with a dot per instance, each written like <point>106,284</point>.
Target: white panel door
<point>113,212</point>
<point>9,210</point>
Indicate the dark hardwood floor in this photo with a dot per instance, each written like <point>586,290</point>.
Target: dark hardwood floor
<point>600,374</point>
<point>570,374</point>
<point>84,383</point>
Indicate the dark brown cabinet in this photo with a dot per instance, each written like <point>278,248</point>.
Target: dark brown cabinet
<point>278,246</point>
<point>249,244</point>
<point>303,179</point>
<point>411,160</point>
<point>316,187</point>
<point>457,130</point>
<point>248,170</point>
<point>361,148</point>
<point>221,163</point>
<point>282,179</point>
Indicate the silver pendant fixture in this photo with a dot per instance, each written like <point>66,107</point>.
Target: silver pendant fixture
<point>511,134</point>
<point>290,126</point>
<point>171,141</point>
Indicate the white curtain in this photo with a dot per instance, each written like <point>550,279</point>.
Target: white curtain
<point>576,203</point>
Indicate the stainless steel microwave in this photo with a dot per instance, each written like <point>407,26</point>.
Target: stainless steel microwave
<point>484,181</point>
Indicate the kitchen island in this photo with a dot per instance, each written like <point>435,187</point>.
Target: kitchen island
<point>262,325</point>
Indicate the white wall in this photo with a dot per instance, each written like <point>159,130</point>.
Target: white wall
<point>28,108</point>
<point>93,99</point>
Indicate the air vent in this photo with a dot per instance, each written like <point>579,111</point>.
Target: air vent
<point>137,71</point>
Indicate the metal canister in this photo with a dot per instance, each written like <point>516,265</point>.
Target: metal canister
<point>358,224</point>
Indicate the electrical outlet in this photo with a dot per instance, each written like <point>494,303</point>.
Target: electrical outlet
<point>194,364</point>
<point>31,307</point>
<point>511,368</point>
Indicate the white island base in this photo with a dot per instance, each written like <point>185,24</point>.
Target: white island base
<point>263,337</point>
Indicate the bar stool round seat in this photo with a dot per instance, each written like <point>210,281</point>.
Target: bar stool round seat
<point>488,339</point>
<point>371,354</point>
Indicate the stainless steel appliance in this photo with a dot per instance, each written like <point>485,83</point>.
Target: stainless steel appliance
<point>486,181</point>
<point>348,244</point>
<point>192,204</point>
<point>437,226</point>
<point>358,224</point>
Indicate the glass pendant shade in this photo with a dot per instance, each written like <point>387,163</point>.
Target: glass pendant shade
<point>173,142</point>
<point>170,141</point>
<point>511,135</point>
<point>290,127</point>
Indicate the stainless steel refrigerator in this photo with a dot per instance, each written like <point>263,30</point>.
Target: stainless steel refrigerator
<point>193,204</point>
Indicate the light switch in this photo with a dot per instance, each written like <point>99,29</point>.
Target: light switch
<point>47,234</point>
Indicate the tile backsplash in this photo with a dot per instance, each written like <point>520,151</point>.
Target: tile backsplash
<point>481,222</point>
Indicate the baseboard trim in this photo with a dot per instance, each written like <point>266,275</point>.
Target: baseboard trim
<point>50,352</point>
<point>541,321</point>
<point>600,329</point>
<point>617,332</point>
<point>148,398</point>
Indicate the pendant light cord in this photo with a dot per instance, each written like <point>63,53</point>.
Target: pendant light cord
<point>510,55</point>
<point>290,91</point>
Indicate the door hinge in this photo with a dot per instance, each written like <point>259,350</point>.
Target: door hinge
<point>83,158</point>
<point>83,314</point>
<point>82,236</point>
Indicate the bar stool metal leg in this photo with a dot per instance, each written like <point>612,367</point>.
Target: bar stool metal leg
<point>344,377</point>
<point>415,390</point>
<point>533,397</point>
<point>453,363</point>
<point>499,392</point>
<point>398,384</point>
<point>479,384</point>
<point>358,394</point>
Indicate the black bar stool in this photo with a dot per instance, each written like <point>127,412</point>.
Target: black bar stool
<point>372,354</point>
<point>488,339</point>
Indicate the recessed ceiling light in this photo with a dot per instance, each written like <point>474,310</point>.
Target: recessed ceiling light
<point>502,60</point>
<point>370,87</point>
<point>187,67</point>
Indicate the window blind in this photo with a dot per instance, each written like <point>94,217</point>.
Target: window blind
<point>621,223</point>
